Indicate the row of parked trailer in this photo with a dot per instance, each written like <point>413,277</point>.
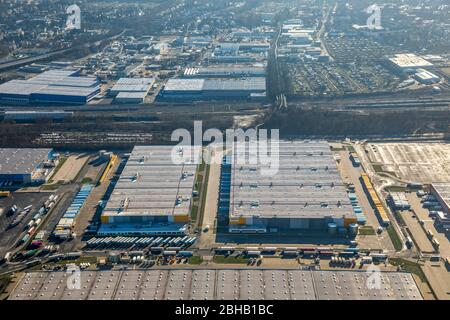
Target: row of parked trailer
<point>35,222</point>
<point>64,227</point>
<point>360,217</point>
<point>310,253</point>
<point>139,242</point>
<point>375,200</point>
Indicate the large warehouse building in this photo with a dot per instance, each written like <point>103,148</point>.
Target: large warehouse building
<point>214,89</point>
<point>225,71</point>
<point>23,166</point>
<point>306,193</point>
<point>442,193</point>
<point>54,86</point>
<point>153,195</point>
<point>408,62</point>
<point>220,284</point>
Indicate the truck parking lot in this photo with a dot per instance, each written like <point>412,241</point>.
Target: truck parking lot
<point>11,235</point>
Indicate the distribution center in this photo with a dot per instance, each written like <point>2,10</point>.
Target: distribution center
<point>24,165</point>
<point>307,192</point>
<point>210,284</point>
<point>153,195</point>
<point>54,86</point>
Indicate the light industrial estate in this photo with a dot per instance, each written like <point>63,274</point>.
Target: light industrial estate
<point>153,194</point>
<point>306,193</point>
<point>209,284</point>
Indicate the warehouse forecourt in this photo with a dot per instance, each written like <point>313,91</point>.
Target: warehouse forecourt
<point>153,194</point>
<point>217,284</point>
<point>307,192</point>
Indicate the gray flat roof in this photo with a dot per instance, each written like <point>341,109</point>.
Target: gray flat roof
<point>130,88</point>
<point>227,70</point>
<point>216,284</point>
<point>307,185</point>
<point>131,95</point>
<point>243,84</point>
<point>184,85</point>
<point>53,82</point>
<point>443,189</point>
<point>21,161</point>
<point>151,182</point>
<point>134,81</point>
<point>247,84</point>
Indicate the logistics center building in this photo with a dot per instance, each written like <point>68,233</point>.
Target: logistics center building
<point>216,284</point>
<point>154,193</point>
<point>50,87</point>
<point>307,192</point>
<point>214,89</point>
<point>24,165</point>
<point>442,193</point>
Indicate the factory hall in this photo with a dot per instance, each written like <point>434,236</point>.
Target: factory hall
<point>153,195</point>
<point>306,193</point>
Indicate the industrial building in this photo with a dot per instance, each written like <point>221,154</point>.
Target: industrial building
<point>153,195</point>
<point>216,284</point>
<point>132,85</point>
<point>307,192</point>
<point>24,166</point>
<point>214,89</point>
<point>131,90</point>
<point>131,97</point>
<point>441,191</point>
<point>50,87</point>
<point>408,62</point>
<point>426,77</point>
<point>31,116</point>
<point>225,71</point>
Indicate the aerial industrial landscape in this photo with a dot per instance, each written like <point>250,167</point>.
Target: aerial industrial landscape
<point>224,150</point>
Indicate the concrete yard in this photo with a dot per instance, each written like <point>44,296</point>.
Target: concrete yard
<point>416,162</point>
<point>351,174</point>
<point>419,235</point>
<point>70,169</point>
<point>429,223</point>
<point>435,272</point>
<point>207,239</point>
<point>220,284</point>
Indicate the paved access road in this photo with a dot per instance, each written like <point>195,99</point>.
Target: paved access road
<point>207,239</point>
